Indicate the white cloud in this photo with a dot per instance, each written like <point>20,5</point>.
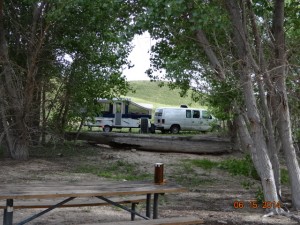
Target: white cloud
<point>140,58</point>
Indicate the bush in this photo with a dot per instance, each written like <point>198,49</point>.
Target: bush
<point>243,167</point>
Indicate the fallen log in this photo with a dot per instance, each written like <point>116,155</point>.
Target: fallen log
<point>199,144</point>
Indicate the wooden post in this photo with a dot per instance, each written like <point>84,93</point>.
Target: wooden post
<point>159,173</point>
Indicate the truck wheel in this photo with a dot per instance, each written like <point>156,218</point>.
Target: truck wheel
<point>107,129</point>
<point>175,129</point>
<point>152,128</point>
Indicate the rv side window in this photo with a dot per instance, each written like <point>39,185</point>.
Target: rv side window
<point>118,107</point>
<point>196,114</point>
<point>188,114</point>
<point>106,109</point>
<point>133,109</point>
<point>206,115</point>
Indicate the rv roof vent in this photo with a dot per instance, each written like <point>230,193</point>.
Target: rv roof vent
<point>183,106</point>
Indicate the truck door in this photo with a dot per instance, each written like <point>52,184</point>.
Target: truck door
<point>206,119</point>
<point>118,115</point>
<point>188,121</point>
<point>195,120</point>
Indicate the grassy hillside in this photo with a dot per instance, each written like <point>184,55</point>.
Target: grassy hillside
<point>151,93</point>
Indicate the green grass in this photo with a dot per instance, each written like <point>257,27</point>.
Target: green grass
<point>185,174</point>
<point>204,163</point>
<point>118,170</point>
<point>242,166</point>
<point>150,93</point>
<point>66,149</point>
<point>284,174</point>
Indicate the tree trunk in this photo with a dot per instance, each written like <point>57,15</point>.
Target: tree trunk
<point>262,72</point>
<point>259,150</point>
<point>237,145</point>
<point>201,38</point>
<point>284,123</point>
<point>11,109</point>
<point>35,117</point>
<point>271,142</point>
<point>207,144</point>
<point>44,118</point>
<point>262,162</point>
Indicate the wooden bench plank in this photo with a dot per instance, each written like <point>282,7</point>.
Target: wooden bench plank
<point>103,188</point>
<point>164,221</point>
<point>78,202</point>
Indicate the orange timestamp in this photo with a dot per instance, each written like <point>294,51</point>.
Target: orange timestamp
<point>254,204</point>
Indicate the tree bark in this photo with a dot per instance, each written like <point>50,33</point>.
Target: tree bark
<point>262,74</point>
<point>259,151</point>
<point>262,162</point>
<point>284,123</point>
<point>185,144</point>
<point>16,133</point>
<point>237,145</point>
<point>44,118</point>
<point>202,40</point>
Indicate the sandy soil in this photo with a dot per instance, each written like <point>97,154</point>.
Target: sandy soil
<point>212,200</point>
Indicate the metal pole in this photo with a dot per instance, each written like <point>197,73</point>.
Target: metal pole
<point>133,209</point>
<point>155,206</point>
<point>45,211</point>
<point>148,205</point>
<point>122,207</point>
<point>8,212</point>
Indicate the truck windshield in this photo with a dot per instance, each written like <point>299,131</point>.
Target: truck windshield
<point>158,114</point>
<point>206,115</point>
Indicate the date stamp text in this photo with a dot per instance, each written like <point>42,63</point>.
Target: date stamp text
<point>255,205</point>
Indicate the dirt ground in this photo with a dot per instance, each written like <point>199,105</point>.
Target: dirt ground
<point>212,200</point>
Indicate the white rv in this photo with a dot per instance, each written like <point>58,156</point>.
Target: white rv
<point>185,119</point>
<point>121,113</point>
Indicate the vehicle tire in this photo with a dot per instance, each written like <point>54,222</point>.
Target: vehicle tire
<point>152,128</point>
<point>107,129</point>
<point>175,129</point>
<point>144,125</point>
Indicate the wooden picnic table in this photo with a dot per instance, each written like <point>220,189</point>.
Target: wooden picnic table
<point>103,190</point>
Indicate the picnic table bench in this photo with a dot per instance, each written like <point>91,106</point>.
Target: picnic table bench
<point>164,221</point>
<point>78,202</point>
<point>107,191</point>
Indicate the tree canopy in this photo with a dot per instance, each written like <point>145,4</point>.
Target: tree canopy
<point>56,58</point>
<point>239,54</point>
